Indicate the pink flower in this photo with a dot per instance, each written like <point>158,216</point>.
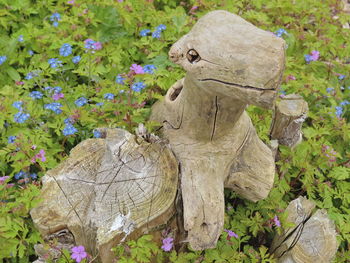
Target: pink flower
<point>40,155</point>
<point>167,244</point>
<point>33,147</point>
<point>290,77</point>
<point>137,69</point>
<point>276,221</point>
<point>19,83</point>
<point>97,45</point>
<point>71,2</point>
<point>315,55</point>
<point>230,234</point>
<point>58,96</point>
<point>78,253</point>
<point>3,179</point>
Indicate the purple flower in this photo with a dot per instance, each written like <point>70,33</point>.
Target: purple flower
<point>315,55</point>
<point>20,38</point>
<point>167,244</point>
<point>78,253</point>
<point>3,179</point>
<point>40,155</point>
<point>230,234</point>
<point>276,221</point>
<point>97,46</point>
<point>57,96</point>
<point>137,69</point>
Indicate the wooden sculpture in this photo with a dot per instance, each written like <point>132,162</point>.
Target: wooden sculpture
<point>122,186</point>
<point>229,63</point>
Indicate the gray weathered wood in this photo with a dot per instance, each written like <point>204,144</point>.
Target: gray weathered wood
<point>229,63</point>
<point>289,115</point>
<point>311,239</point>
<point>109,189</point>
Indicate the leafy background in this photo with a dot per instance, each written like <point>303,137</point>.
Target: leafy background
<point>318,168</point>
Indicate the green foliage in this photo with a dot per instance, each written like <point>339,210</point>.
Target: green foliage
<point>318,168</point>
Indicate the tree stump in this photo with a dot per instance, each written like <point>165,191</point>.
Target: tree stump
<point>312,239</point>
<point>109,189</point>
<point>229,63</point>
<point>289,115</point>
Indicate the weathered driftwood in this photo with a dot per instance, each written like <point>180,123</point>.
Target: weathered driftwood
<point>109,189</point>
<point>229,63</point>
<point>312,239</point>
<point>289,115</point>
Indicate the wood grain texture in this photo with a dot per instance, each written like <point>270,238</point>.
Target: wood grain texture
<point>109,189</point>
<point>312,239</point>
<point>229,63</point>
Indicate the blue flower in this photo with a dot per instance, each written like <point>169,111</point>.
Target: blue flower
<point>161,27</point>
<point>11,139</point>
<point>54,62</point>
<point>156,34</point>
<point>34,176</point>
<point>54,106</point>
<point>280,32</point>
<point>329,90</point>
<point>138,86</point>
<point>17,105</point>
<point>149,69</point>
<point>89,44</point>
<point>144,32</point>
<point>97,134</point>
<point>66,50</point>
<point>76,59</point>
<point>69,129</point>
<point>55,24</point>
<point>30,52</point>
<point>57,89</point>
<point>338,111</point>
<point>55,17</point>
<point>21,117</point>
<point>341,77</point>
<point>344,103</point>
<point>99,104</point>
<point>68,121</point>
<point>19,175</point>
<point>20,38</point>
<point>120,80</point>
<point>81,101</point>
<point>2,59</point>
<point>109,96</point>
<point>30,75</point>
<point>308,58</point>
<point>36,95</point>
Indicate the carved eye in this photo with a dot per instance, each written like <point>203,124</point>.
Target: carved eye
<point>193,56</point>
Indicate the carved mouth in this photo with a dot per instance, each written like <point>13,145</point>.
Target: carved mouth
<point>236,85</point>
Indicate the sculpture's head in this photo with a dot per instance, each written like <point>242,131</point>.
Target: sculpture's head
<point>225,54</point>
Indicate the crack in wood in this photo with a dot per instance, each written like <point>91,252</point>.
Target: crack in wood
<point>215,116</point>
<point>236,85</point>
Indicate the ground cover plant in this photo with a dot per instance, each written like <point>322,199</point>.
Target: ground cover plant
<point>69,67</point>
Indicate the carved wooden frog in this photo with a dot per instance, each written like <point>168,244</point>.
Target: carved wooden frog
<point>230,63</point>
